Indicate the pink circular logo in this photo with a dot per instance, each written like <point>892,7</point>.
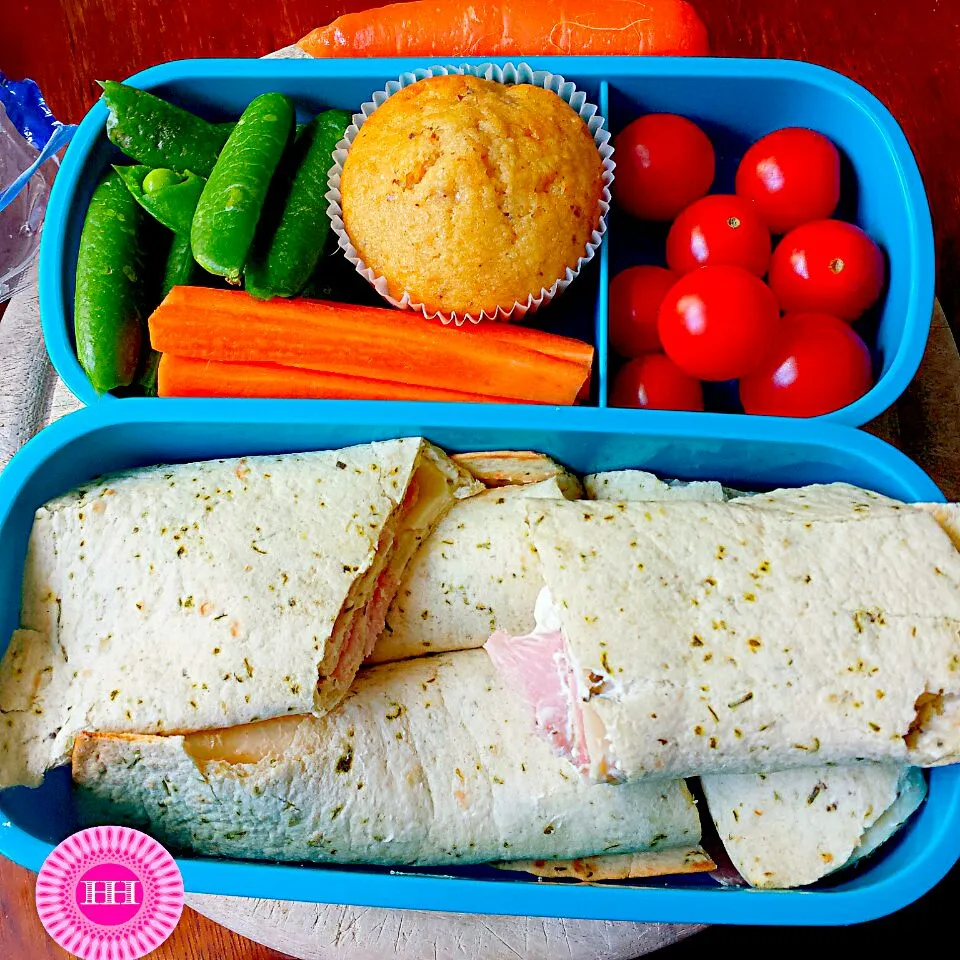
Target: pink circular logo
<point>109,893</point>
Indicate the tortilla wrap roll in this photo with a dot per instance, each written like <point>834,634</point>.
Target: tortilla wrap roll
<point>793,827</point>
<point>476,573</point>
<point>427,761</point>
<point>617,866</point>
<point>502,468</point>
<point>209,594</point>
<point>697,638</point>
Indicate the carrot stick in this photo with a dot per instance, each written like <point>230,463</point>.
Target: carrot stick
<point>368,342</point>
<point>185,377</point>
<point>565,348</point>
<point>482,28</point>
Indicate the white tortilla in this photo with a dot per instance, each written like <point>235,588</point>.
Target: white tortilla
<point>476,573</point>
<point>427,761</point>
<point>640,485</point>
<point>788,829</point>
<point>618,866</point>
<point>746,640</point>
<point>501,468</point>
<point>203,595</point>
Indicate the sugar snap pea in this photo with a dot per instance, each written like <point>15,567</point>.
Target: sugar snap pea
<point>181,268</point>
<point>167,196</point>
<point>232,201</point>
<point>111,286</point>
<point>147,380</point>
<point>292,233</point>
<point>158,134</point>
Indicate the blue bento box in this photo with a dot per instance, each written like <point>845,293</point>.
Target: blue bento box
<point>735,101</point>
<point>747,452</point>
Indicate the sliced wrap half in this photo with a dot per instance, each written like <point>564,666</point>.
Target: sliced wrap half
<point>696,638</point>
<point>794,827</point>
<point>427,761</point>
<point>208,594</point>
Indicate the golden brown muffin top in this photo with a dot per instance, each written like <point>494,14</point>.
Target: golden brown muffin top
<point>468,194</point>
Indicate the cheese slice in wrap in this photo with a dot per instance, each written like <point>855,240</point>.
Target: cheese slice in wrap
<point>697,638</point>
<point>476,573</point>
<point>793,827</point>
<point>427,761</point>
<point>208,594</point>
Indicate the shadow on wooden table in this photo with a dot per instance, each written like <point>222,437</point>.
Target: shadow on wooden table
<point>929,920</point>
<point>925,422</point>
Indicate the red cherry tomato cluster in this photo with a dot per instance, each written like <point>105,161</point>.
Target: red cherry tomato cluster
<point>711,316</point>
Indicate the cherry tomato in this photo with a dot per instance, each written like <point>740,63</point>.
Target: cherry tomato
<point>655,382</point>
<point>819,364</point>
<point>635,297</point>
<point>717,323</point>
<point>793,176</point>
<point>719,230</point>
<point>827,266</point>
<point>664,163</point>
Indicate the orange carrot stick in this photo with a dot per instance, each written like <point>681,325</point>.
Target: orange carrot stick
<point>565,348</point>
<point>359,341</point>
<point>485,28</point>
<point>185,377</point>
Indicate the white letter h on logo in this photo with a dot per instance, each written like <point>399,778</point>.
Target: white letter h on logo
<point>114,893</point>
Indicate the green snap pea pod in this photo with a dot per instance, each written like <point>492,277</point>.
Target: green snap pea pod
<point>111,287</point>
<point>147,380</point>
<point>169,197</point>
<point>231,202</point>
<point>291,237</point>
<point>159,134</point>
<point>181,268</point>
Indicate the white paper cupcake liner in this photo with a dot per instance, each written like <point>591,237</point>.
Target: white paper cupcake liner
<point>521,73</point>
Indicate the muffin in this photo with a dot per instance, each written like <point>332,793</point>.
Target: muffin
<point>469,195</point>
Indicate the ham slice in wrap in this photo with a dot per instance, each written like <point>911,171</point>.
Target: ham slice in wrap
<point>793,827</point>
<point>209,594</point>
<point>428,761</point>
<point>701,638</point>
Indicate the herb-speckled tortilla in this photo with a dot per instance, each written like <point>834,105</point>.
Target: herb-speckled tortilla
<point>617,866</point>
<point>208,594</point>
<point>640,485</point>
<point>793,827</point>
<point>719,637</point>
<point>474,574</point>
<point>427,761</point>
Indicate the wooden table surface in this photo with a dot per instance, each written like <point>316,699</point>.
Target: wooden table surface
<point>905,53</point>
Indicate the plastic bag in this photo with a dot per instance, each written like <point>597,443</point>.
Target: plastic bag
<point>30,137</point>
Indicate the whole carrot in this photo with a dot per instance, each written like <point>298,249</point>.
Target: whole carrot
<point>486,28</point>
